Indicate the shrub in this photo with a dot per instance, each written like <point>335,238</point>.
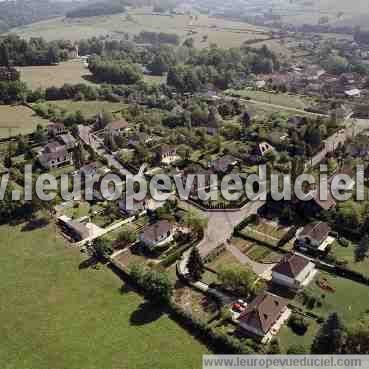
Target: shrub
<point>298,324</point>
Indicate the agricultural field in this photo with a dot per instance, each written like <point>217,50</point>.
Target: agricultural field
<point>58,315</point>
<point>339,12</point>
<point>283,99</point>
<point>256,252</point>
<point>71,72</point>
<point>19,119</point>
<point>89,109</point>
<point>204,29</point>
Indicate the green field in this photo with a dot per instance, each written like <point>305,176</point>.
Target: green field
<point>339,12</point>
<point>53,315</point>
<point>224,33</point>
<point>88,108</point>
<point>349,299</point>
<point>282,99</point>
<point>288,338</point>
<point>71,72</point>
<point>16,120</point>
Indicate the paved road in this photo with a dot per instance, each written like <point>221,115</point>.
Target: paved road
<point>91,140</point>
<point>220,227</point>
<point>353,128</point>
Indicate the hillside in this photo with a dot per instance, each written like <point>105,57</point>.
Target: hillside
<point>339,12</point>
<point>17,13</point>
<point>204,29</point>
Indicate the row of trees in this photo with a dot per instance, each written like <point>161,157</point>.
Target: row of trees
<point>36,51</point>
<point>335,338</point>
<point>157,38</point>
<point>96,9</point>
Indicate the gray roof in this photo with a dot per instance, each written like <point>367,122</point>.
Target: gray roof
<point>155,231</point>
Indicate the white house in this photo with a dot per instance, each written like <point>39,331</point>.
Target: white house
<point>294,271</point>
<point>168,154</point>
<point>264,316</point>
<point>314,236</point>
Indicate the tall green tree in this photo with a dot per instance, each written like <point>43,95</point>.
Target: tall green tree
<point>331,337</point>
<point>195,265</point>
<point>358,337</point>
<point>238,279</point>
<point>4,55</point>
<point>361,250</point>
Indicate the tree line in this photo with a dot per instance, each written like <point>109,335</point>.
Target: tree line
<point>96,9</point>
<point>156,38</point>
<point>36,51</point>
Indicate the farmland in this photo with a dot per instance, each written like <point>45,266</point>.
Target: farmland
<point>16,120</point>
<point>88,108</point>
<point>204,29</point>
<point>338,12</point>
<point>71,72</point>
<point>58,316</point>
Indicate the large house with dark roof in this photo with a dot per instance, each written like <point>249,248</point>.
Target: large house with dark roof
<point>294,271</point>
<point>157,234</point>
<point>314,237</point>
<point>58,153</point>
<point>264,316</point>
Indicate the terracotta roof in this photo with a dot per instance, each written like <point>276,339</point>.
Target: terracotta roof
<point>291,265</point>
<point>155,231</point>
<point>317,231</point>
<point>118,124</point>
<point>263,312</point>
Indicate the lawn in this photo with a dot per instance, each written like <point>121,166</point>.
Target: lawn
<point>350,299</point>
<point>347,254</point>
<point>88,108</point>
<point>71,72</point>
<point>16,120</point>
<point>287,337</point>
<point>224,259</point>
<point>57,316</point>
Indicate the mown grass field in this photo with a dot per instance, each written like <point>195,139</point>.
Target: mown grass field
<point>71,72</point>
<point>222,32</point>
<point>349,299</point>
<point>53,315</point>
<point>282,99</point>
<point>88,108</point>
<point>16,120</point>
